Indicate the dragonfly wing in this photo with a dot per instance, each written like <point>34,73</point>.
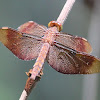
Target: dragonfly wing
<point>74,42</point>
<point>32,28</point>
<point>22,45</point>
<point>69,61</point>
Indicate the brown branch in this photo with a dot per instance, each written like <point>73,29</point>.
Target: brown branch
<point>30,83</point>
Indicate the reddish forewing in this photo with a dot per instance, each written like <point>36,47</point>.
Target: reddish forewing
<point>74,42</point>
<point>68,61</point>
<point>23,47</point>
<point>32,28</point>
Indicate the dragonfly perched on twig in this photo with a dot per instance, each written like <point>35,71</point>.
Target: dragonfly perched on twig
<point>65,53</point>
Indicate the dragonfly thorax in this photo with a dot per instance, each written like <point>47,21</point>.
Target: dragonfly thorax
<point>50,35</point>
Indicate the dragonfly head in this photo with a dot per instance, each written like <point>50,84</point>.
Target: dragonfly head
<point>55,23</point>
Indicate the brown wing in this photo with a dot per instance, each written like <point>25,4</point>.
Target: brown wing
<point>74,42</point>
<point>24,46</point>
<point>69,61</point>
<point>32,28</point>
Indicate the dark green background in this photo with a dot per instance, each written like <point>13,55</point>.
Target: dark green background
<point>53,85</point>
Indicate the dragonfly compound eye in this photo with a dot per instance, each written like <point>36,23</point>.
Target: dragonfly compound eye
<point>55,23</point>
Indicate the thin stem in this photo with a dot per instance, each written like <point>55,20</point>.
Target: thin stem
<point>65,11</point>
<point>23,96</point>
<point>30,84</point>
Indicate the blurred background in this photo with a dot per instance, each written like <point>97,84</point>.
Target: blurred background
<point>83,20</point>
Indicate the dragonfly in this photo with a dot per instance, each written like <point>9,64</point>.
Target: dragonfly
<point>65,53</point>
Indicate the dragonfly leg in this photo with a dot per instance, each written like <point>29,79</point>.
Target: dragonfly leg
<point>29,73</point>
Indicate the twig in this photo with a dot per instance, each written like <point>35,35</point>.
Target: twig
<point>31,82</point>
<point>65,11</point>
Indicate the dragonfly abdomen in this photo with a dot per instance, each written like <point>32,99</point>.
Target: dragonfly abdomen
<point>40,60</point>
